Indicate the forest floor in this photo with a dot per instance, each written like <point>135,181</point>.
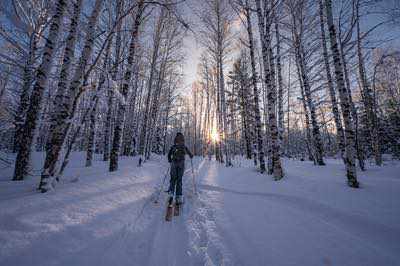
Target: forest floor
<point>238,217</point>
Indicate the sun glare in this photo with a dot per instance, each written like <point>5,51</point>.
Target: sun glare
<point>214,135</point>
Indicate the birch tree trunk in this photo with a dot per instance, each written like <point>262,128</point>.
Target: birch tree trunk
<point>68,56</point>
<point>288,107</point>
<point>218,150</point>
<point>24,97</point>
<point>3,85</point>
<point>72,137</point>
<point>92,126</point>
<point>367,97</point>
<point>264,22</point>
<point>317,142</point>
<point>65,109</point>
<point>166,119</point>
<point>29,127</point>
<point>171,33</point>
<point>344,99</point>
<point>110,92</point>
<point>128,130</point>
<point>280,82</point>
<point>331,89</point>
<point>125,87</point>
<point>221,81</point>
<point>90,143</point>
<point>224,121</point>
<point>304,72</point>
<point>107,132</point>
<point>260,146</point>
<point>353,111</point>
<point>137,118</point>
<point>145,121</point>
<point>309,141</point>
<point>146,115</point>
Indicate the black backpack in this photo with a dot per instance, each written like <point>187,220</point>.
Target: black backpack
<point>178,153</point>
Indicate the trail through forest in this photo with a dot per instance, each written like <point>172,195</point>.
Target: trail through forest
<point>238,217</point>
<point>290,111</point>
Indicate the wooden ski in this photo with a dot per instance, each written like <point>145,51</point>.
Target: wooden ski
<point>170,210</point>
<point>176,209</point>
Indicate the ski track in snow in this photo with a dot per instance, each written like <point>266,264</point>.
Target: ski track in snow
<point>382,240</point>
<point>238,217</point>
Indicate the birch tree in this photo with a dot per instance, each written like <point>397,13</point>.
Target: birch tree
<point>367,94</point>
<point>155,53</point>
<point>260,144</point>
<point>330,85</point>
<point>216,20</point>
<point>30,125</point>
<point>299,12</point>
<point>265,23</point>
<point>65,108</point>
<point>344,99</point>
<point>125,87</point>
<point>110,93</point>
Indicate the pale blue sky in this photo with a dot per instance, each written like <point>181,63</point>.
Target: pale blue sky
<point>193,48</point>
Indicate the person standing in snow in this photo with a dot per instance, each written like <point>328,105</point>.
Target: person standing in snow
<point>176,157</point>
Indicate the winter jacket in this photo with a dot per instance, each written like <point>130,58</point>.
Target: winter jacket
<point>177,153</point>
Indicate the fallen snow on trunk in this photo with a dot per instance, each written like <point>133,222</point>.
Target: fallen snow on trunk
<point>238,216</point>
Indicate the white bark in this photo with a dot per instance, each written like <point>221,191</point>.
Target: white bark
<point>331,89</point>
<point>367,97</point>
<point>344,99</point>
<point>265,22</point>
<point>68,104</point>
<point>125,88</point>
<point>29,128</point>
<point>260,144</point>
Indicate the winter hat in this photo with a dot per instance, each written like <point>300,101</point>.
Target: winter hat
<point>179,138</point>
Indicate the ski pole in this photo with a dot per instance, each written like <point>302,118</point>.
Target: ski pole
<point>193,178</point>
<point>162,185</point>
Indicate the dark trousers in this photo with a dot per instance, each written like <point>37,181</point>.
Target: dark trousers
<point>177,169</point>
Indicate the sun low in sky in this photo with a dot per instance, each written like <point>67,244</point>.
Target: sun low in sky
<point>214,136</point>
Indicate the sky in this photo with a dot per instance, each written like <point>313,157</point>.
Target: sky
<point>193,48</point>
<point>193,52</point>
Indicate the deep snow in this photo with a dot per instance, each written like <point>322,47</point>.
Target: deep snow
<point>238,217</point>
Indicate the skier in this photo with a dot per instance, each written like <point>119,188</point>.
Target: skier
<point>176,156</point>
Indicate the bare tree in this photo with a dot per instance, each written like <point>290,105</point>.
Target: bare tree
<point>125,87</point>
<point>367,95</point>
<point>330,85</point>
<point>30,125</point>
<point>65,108</point>
<point>265,19</point>
<point>344,99</point>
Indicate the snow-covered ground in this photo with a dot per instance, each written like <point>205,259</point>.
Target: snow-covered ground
<point>238,217</point>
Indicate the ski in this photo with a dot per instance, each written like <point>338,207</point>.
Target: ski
<point>176,209</point>
<point>170,209</point>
